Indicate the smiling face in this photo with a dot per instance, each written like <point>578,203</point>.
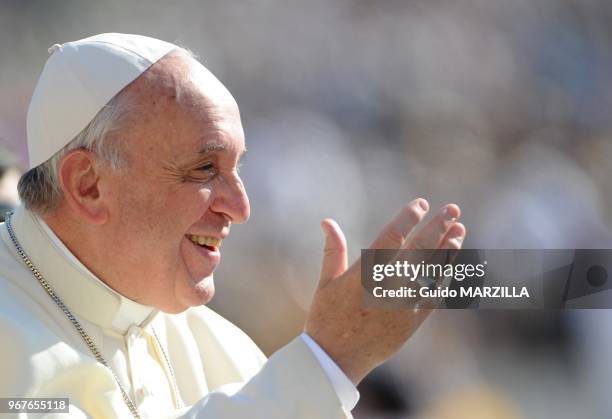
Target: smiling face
<point>176,200</point>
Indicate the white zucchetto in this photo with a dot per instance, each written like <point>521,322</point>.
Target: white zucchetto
<point>78,79</point>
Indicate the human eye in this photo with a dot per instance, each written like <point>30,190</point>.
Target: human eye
<point>206,171</point>
<point>207,168</point>
<point>200,173</point>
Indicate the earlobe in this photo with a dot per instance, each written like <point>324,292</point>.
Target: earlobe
<point>79,177</point>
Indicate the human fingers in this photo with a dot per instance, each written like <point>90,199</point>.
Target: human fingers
<point>393,235</point>
<point>432,234</point>
<point>449,246</point>
<point>335,258</point>
<point>446,253</point>
<point>454,237</point>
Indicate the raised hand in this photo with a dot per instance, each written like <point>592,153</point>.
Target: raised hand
<point>357,338</point>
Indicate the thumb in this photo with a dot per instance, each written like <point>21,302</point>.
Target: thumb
<point>335,258</point>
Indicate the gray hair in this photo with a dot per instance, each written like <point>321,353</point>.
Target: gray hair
<point>39,188</point>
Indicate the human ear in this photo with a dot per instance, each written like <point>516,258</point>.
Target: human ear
<point>79,178</point>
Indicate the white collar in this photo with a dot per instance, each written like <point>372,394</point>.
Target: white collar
<point>84,293</point>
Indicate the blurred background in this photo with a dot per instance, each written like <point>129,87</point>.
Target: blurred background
<point>353,107</point>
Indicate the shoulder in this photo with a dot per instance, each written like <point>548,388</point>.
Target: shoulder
<point>23,302</point>
<point>32,352</point>
<point>209,318</point>
<point>203,320</point>
<point>226,353</point>
<point>35,346</point>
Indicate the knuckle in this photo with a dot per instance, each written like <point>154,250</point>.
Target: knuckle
<point>330,251</point>
<point>394,236</point>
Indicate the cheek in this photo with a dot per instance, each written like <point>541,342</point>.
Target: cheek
<point>190,203</point>
<point>179,210</point>
<point>157,212</point>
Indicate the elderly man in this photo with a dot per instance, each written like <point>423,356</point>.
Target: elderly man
<point>104,275</point>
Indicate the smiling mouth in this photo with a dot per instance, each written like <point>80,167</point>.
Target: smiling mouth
<point>208,242</point>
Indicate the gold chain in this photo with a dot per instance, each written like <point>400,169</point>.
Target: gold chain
<point>86,338</point>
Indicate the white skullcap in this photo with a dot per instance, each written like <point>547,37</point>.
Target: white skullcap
<point>79,78</point>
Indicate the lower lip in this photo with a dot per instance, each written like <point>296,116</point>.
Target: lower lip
<point>213,256</point>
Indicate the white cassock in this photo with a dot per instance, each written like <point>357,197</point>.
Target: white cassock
<point>214,370</point>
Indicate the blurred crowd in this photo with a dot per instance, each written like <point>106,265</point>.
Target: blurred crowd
<point>353,107</point>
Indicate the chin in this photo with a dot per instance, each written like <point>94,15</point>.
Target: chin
<point>200,292</point>
<point>189,292</point>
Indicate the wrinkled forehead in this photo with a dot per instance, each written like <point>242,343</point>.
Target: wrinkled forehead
<point>181,106</point>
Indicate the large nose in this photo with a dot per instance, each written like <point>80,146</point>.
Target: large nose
<point>231,199</point>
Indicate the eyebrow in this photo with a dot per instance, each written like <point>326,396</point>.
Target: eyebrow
<point>211,148</point>
<point>216,147</point>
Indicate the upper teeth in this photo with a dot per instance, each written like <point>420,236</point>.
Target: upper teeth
<point>206,240</point>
